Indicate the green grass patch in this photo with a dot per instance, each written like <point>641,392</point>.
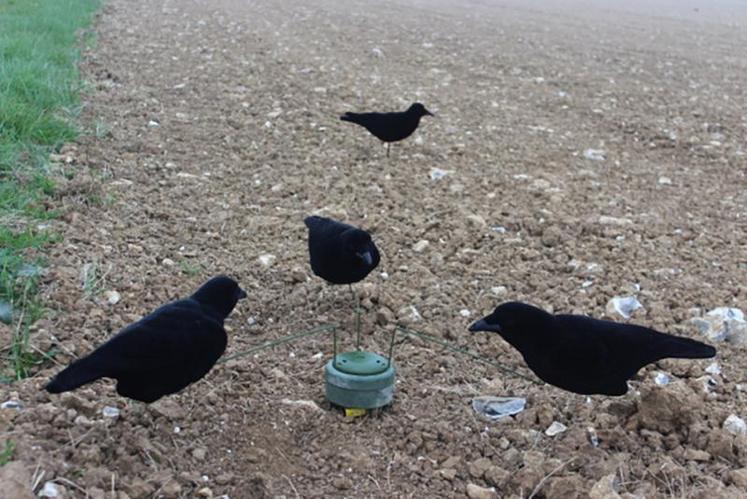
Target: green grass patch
<point>6,455</point>
<point>39,104</point>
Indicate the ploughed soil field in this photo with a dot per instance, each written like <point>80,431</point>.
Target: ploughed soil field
<point>580,152</point>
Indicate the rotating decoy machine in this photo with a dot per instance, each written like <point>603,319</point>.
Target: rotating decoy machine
<point>359,380</point>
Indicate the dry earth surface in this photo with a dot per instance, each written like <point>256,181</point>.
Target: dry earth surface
<point>219,133</point>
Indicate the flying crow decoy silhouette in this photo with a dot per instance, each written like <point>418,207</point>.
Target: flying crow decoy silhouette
<point>172,347</point>
<point>390,127</point>
<point>341,254</point>
<point>581,354</point>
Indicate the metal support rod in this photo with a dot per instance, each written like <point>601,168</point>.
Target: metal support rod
<point>391,348</point>
<point>357,299</point>
<point>334,348</point>
<point>280,341</point>
<point>449,346</point>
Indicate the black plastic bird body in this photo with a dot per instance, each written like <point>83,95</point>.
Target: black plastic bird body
<point>390,127</point>
<point>581,354</point>
<point>165,351</point>
<point>340,253</point>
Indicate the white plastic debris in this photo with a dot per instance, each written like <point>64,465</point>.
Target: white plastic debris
<point>307,404</point>
<point>112,297</point>
<point>465,313</point>
<point>555,428</point>
<point>665,181</point>
<point>110,412</point>
<point>6,312</point>
<point>713,368</point>
<point>377,52</point>
<point>727,313</point>
<point>624,306</point>
<point>498,228</point>
<point>438,173</point>
<point>267,259</point>
<point>661,379</point>
<point>50,489</point>
<point>410,313</point>
<point>12,404</point>
<point>620,222</point>
<point>594,154</point>
<point>153,124</point>
<point>735,425</point>
<point>593,438</point>
<point>498,407</point>
<point>723,324</point>
<point>420,246</point>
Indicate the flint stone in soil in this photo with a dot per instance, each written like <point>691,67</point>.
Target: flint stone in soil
<point>555,429</point>
<point>384,316</point>
<point>723,324</point>
<point>696,455</point>
<point>604,488</point>
<point>51,489</point>
<point>477,492</point>
<point>448,473</point>
<point>168,408</point>
<point>420,246</point>
<point>478,467</point>
<point>622,306</point>
<point>735,425</point>
<point>497,476</point>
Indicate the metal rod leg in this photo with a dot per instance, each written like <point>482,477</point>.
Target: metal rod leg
<point>357,299</point>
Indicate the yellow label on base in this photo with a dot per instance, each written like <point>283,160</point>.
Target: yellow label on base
<point>353,412</point>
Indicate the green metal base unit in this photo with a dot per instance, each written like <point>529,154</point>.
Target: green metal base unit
<point>359,379</point>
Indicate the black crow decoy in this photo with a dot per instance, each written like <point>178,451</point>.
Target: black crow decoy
<point>340,253</point>
<point>172,347</point>
<point>390,127</point>
<point>581,354</point>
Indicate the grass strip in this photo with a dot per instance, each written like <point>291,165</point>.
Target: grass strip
<point>40,86</point>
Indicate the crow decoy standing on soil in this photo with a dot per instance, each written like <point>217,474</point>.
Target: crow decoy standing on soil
<point>581,354</point>
<point>390,127</point>
<point>172,347</point>
<point>340,253</point>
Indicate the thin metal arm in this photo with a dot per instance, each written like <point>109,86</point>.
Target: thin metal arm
<point>449,346</point>
<point>280,341</point>
<point>391,348</point>
<point>357,299</point>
